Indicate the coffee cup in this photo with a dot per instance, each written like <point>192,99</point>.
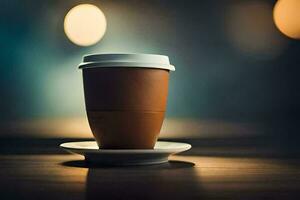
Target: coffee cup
<point>126,98</point>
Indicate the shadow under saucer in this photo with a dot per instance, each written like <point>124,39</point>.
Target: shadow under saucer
<point>171,164</point>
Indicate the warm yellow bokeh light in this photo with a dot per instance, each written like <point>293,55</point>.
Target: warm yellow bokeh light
<point>85,24</point>
<point>287,17</point>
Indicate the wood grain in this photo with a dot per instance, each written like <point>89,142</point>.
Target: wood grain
<point>186,177</point>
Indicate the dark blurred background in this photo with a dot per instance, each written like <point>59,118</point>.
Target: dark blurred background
<point>236,73</point>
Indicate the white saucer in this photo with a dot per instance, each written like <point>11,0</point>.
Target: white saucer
<point>160,153</point>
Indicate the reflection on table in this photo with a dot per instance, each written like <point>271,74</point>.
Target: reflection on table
<point>185,177</point>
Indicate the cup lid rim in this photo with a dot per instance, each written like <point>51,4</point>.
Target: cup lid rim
<point>126,60</point>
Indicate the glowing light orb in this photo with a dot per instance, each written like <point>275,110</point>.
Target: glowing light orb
<point>85,24</point>
<point>286,15</point>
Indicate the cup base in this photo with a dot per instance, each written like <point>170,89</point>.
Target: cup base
<point>125,129</point>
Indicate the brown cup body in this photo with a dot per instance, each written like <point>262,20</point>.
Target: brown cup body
<point>125,105</point>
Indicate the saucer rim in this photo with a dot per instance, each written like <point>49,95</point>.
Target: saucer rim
<point>78,150</point>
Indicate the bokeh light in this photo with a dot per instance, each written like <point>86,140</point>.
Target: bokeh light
<point>85,24</point>
<point>287,17</point>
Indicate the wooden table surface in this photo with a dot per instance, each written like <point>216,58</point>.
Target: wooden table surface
<point>191,176</point>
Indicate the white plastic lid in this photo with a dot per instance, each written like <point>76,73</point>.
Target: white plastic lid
<point>126,60</point>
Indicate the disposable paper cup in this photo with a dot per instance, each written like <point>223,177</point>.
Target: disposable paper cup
<point>125,98</point>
